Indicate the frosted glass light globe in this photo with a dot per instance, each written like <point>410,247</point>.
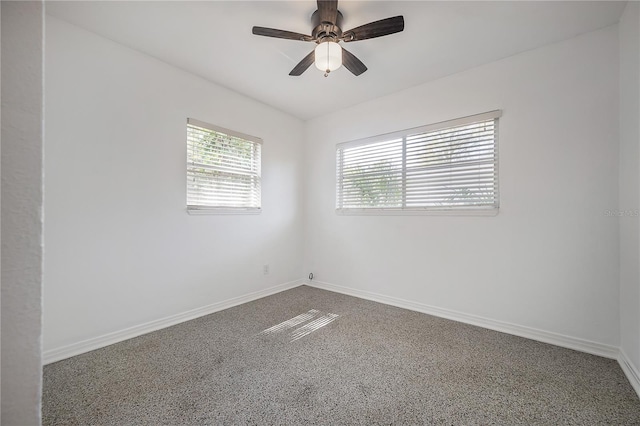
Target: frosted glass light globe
<point>328,56</point>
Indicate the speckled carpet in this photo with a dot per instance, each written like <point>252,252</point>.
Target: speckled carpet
<point>308,356</point>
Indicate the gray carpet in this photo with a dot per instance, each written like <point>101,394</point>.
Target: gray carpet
<point>338,360</point>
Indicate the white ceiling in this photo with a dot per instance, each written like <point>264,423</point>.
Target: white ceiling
<point>214,40</point>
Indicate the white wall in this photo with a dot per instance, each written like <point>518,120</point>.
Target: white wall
<point>549,260</point>
<point>629,183</point>
<point>120,248</point>
<point>22,115</point>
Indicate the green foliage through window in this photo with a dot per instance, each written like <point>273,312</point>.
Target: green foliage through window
<point>448,167</point>
<point>223,169</point>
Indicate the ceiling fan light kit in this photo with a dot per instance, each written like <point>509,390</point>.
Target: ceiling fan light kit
<point>328,56</point>
<point>327,33</point>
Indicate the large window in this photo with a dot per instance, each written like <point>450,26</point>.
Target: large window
<point>223,170</point>
<point>445,166</point>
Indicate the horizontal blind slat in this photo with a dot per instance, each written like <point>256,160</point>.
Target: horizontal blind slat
<point>436,138</point>
<point>457,147</point>
<point>453,166</point>
<point>223,170</point>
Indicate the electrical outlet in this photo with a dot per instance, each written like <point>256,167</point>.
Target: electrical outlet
<point>265,269</point>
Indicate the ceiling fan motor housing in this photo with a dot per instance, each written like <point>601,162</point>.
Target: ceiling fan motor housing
<point>326,30</point>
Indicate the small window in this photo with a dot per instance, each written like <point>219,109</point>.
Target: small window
<point>223,170</point>
<point>449,166</point>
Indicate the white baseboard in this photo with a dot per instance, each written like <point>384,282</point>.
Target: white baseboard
<point>574,343</point>
<point>63,352</point>
<point>630,371</point>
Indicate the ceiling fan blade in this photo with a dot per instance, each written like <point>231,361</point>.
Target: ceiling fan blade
<point>375,29</point>
<point>304,64</point>
<point>328,10</point>
<point>352,63</point>
<point>272,32</point>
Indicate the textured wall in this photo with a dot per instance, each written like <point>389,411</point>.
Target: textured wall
<point>21,170</point>
<point>629,182</point>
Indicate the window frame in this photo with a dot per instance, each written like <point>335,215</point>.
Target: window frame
<point>204,209</point>
<point>466,210</point>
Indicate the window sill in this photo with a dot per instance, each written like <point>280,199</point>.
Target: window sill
<point>214,211</point>
<point>422,212</point>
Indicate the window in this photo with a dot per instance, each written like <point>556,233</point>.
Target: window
<point>445,166</point>
<point>223,170</point>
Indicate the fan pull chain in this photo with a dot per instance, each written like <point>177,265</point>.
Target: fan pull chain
<point>326,73</point>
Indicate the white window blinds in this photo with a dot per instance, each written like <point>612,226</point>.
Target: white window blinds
<point>446,166</point>
<point>223,169</point>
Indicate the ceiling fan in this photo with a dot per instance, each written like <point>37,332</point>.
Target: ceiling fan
<point>327,33</point>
